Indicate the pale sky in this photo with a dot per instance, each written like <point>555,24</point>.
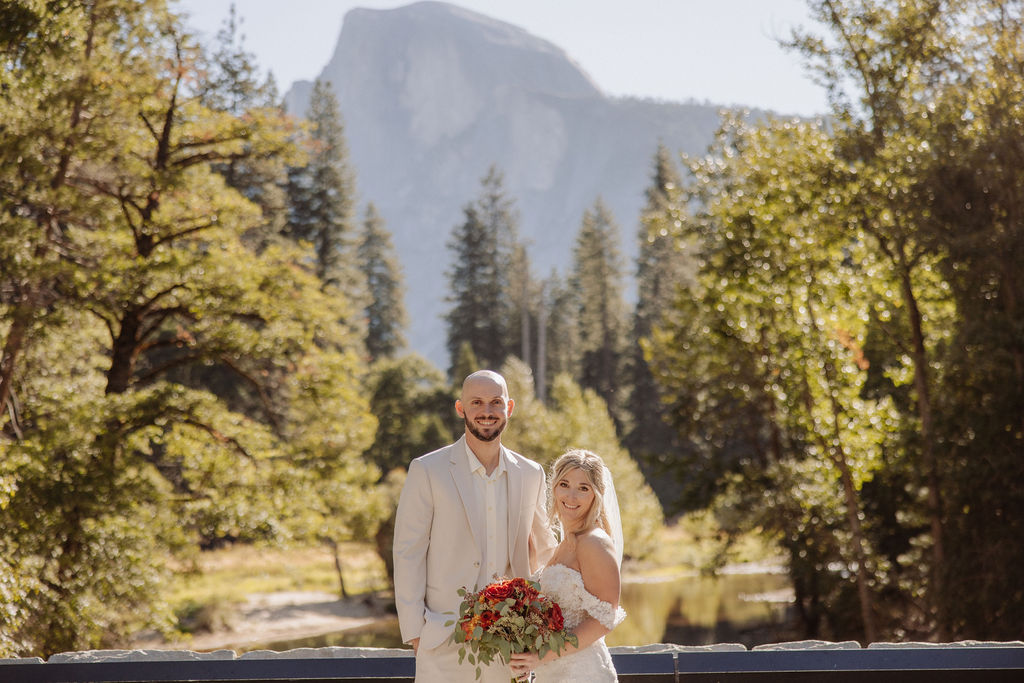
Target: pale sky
<point>721,51</point>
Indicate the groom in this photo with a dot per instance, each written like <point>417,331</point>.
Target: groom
<point>468,512</point>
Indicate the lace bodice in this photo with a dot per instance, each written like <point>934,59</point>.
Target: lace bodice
<point>592,664</point>
<point>565,585</point>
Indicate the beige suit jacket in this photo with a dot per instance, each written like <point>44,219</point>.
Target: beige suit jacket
<point>439,536</point>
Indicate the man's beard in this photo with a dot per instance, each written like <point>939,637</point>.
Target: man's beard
<point>498,429</point>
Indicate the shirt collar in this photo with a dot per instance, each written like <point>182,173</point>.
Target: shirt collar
<point>475,465</point>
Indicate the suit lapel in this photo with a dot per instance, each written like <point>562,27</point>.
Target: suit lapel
<point>464,484</point>
<point>514,475</point>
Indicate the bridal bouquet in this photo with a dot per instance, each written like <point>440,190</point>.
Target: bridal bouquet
<point>504,617</point>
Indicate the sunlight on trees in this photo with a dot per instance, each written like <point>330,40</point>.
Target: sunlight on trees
<point>826,346</point>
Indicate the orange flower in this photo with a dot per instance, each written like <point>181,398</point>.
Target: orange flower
<point>488,618</point>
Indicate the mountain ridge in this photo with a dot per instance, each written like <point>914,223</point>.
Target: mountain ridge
<point>432,95</point>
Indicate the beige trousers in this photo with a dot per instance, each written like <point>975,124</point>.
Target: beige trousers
<point>441,665</point>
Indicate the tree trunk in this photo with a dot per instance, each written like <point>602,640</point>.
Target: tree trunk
<point>863,578</point>
<point>124,352</point>
<point>922,387</point>
<point>336,551</point>
<point>8,358</point>
<point>524,324</point>
<point>542,346</point>
<point>384,539</point>
<point>849,494</point>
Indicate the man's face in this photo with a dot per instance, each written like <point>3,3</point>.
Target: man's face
<point>485,408</point>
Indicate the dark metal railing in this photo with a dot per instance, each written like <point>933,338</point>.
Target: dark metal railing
<point>901,664</point>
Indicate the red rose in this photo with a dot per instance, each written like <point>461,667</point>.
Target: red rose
<point>497,592</point>
<point>555,619</point>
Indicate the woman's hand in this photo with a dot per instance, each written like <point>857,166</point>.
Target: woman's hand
<point>523,663</point>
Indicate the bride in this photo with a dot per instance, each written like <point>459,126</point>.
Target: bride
<point>583,574</point>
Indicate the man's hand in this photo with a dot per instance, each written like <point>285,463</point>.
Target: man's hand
<point>415,642</point>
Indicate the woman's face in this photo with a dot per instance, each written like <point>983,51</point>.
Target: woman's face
<point>573,496</point>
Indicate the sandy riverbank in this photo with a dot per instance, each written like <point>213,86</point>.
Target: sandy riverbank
<point>266,618</point>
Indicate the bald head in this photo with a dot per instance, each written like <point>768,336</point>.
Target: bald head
<point>481,378</point>
<point>484,406</point>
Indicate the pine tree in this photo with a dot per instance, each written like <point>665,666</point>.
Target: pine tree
<point>661,270</point>
<point>385,310</point>
<point>480,277</point>
<point>557,338</point>
<point>661,267</point>
<point>597,283</point>
<point>524,305</point>
<point>321,195</point>
<point>233,86</point>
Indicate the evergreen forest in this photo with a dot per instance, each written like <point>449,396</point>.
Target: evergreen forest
<point>202,332</point>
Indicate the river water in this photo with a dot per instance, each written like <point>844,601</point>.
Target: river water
<point>740,605</point>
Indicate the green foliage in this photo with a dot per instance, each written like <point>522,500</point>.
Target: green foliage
<point>232,85</point>
<point>601,321</point>
<point>771,340</point>
<point>385,310</point>
<point>578,418</point>
<point>18,572</point>
<point>167,382</point>
<point>481,275</point>
<point>322,196</point>
<point>662,270</point>
<point>466,363</point>
<point>490,624</point>
<point>558,346</point>
<point>526,298</point>
<point>412,404</point>
<point>976,178</point>
<point>823,364</point>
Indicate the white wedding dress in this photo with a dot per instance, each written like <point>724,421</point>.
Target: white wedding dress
<point>564,585</point>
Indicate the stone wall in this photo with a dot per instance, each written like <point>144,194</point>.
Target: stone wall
<point>92,656</point>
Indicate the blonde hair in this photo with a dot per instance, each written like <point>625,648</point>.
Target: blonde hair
<point>590,464</point>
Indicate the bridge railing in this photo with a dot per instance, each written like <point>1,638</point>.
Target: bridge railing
<point>808,661</point>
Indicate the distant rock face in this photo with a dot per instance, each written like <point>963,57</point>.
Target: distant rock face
<point>432,95</point>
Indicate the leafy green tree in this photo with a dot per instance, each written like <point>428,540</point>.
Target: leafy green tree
<point>597,283</point>
<point>974,178</point>
<point>34,40</point>
<point>480,276</point>
<point>232,85</point>
<point>111,464</point>
<point>854,307</point>
<point>385,311</point>
<point>578,418</point>
<point>767,359</point>
<point>901,79</point>
<point>18,574</point>
<point>31,270</point>
<point>414,408</point>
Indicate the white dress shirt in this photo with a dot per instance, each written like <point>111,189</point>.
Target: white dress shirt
<point>492,493</point>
